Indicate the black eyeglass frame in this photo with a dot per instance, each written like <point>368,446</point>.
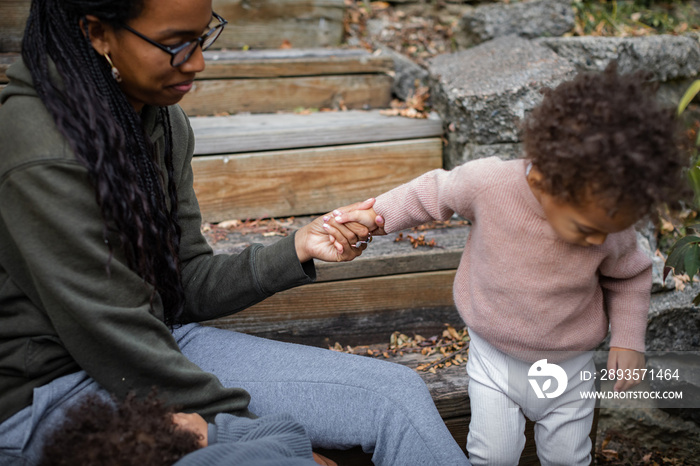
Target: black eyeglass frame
<point>173,51</point>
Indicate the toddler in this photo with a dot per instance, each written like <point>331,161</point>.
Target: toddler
<point>551,263</point>
<point>147,432</point>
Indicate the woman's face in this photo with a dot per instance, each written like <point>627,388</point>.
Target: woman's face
<point>146,72</point>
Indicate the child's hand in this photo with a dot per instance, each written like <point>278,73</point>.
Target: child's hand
<point>625,359</point>
<point>367,217</point>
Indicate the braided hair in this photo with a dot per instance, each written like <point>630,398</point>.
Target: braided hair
<point>108,138</point>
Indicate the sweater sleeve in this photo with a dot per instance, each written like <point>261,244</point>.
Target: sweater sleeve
<point>435,195</point>
<point>625,276</point>
<point>269,440</point>
<point>55,253</point>
<point>223,284</point>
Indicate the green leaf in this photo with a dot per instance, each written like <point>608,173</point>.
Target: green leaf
<point>692,260</point>
<point>677,256</point>
<point>689,96</point>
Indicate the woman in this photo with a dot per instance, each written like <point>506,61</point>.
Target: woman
<point>103,269</point>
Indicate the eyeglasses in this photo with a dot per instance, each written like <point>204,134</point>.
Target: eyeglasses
<point>181,53</point>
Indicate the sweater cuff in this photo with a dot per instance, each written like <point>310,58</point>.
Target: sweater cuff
<point>279,265</point>
<point>281,427</point>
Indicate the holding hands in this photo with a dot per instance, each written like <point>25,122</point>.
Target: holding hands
<point>341,235</point>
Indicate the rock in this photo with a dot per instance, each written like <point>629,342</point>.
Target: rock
<point>680,373</point>
<point>505,151</point>
<point>537,18</point>
<point>666,57</point>
<point>653,428</point>
<point>674,322</point>
<point>409,75</point>
<point>482,93</point>
<point>673,61</point>
<point>657,266</point>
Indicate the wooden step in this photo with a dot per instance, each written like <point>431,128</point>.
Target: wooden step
<point>252,23</point>
<point>251,133</point>
<point>392,286</point>
<point>272,23</point>
<point>306,164</point>
<point>13,17</point>
<point>268,81</point>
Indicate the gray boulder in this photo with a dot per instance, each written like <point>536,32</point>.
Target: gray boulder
<point>483,93</point>
<point>674,322</point>
<point>530,19</point>
<point>653,428</point>
<point>408,74</point>
<point>505,151</point>
<point>657,268</point>
<point>666,57</point>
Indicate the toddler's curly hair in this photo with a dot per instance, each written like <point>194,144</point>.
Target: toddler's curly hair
<point>604,135</point>
<point>133,432</point>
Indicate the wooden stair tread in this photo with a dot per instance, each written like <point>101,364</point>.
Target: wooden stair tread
<point>269,24</point>
<point>259,24</point>
<point>249,133</point>
<point>269,95</point>
<point>384,256</point>
<point>307,181</point>
<point>391,286</point>
<point>272,63</point>
<point>268,63</point>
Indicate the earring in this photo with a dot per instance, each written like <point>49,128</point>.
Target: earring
<point>115,72</point>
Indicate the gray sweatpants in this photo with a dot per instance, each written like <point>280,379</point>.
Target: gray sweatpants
<point>342,400</point>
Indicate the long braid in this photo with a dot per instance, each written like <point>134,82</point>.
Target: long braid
<point>108,138</point>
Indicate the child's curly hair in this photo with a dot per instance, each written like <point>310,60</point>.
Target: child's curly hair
<point>605,135</point>
<point>133,432</point>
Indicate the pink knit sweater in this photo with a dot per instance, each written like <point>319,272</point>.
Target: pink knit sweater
<point>518,285</point>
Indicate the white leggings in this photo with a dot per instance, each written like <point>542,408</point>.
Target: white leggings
<point>498,410</point>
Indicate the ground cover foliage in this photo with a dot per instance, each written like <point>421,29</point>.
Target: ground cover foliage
<point>423,29</point>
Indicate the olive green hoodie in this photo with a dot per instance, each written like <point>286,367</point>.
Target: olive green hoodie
<point>61,311</point>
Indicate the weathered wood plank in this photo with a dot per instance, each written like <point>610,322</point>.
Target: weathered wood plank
<point>292,62</point>
<point>343,308</point>
<point>6,60</point>
<point>268,23</point>
<point>308,181</point>
<point>248,133</point>
<point>384,256</point>
<point>269,95</point>
<point>274,63</point>
<point>253,23</point>
<point>13,17</point>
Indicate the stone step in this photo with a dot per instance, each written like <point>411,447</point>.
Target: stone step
<point>292,161</point>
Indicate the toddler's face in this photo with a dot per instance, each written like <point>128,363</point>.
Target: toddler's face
<point>585,225</point>
<point>194,423</point>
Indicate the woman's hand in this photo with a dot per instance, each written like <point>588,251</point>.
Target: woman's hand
<point>327,240</point>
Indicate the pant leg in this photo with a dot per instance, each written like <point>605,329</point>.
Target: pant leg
<point>342,400</point>
<point>497,427</point>
<point>22,436</point>
<point>562,433</point>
